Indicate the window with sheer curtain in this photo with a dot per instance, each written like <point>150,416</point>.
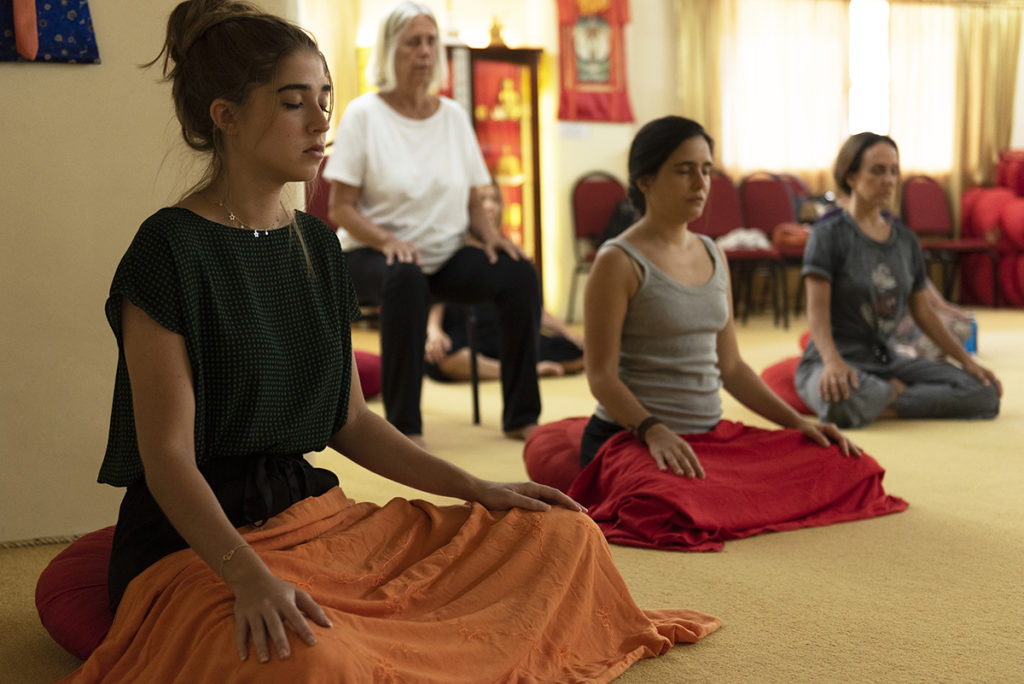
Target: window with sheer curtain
<point>783,66</point>
<point>815,71</point>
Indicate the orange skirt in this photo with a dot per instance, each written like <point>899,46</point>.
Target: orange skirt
<point>416,592</point>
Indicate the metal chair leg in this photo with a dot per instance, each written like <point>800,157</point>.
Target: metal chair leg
<point>474,377</point>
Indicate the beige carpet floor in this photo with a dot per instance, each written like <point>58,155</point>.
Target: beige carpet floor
<point>935,594</point>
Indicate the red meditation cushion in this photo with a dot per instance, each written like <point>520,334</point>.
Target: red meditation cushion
<point>779,378</point>
<point>1009,284</point>
<point>368,365</point>
<point>71,594</point>
<point>552,452</point>
<point>967,202</point>
<point>805,339</point>
<point>986,218</point>
<point>976,280</point>
<point>1013,221</point>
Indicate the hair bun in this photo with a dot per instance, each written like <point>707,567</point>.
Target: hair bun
<point>190,21</point>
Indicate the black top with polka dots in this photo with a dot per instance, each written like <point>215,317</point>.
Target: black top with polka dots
<point>268,341</point>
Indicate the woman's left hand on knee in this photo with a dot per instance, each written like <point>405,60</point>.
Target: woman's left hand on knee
<point>825,434</point>
<point>984,375</point>
<point>503,244</point>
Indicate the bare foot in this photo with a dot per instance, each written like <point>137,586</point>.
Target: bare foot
<point>521,433</point>
<point>549,369</point>
<point>418,441</point>
<point>898,388</point>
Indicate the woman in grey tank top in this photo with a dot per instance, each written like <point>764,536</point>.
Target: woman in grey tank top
<point>659,333</point>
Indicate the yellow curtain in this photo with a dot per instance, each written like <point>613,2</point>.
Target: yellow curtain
<point>335,24</point>
<point>769,79</point>
<point>922,87</point>
<point>698,87</point>
<point>987,51</point>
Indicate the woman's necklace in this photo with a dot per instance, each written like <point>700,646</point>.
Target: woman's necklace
<point>241,224</point>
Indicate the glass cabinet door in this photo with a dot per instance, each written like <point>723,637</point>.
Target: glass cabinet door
<point>498,88</point>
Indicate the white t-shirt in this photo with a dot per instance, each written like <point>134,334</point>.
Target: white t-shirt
<point>414,174</point>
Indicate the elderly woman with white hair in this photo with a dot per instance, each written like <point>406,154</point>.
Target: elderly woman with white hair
<point>406,180</point>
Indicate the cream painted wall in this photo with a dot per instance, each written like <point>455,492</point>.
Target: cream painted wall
<point>87,153</point>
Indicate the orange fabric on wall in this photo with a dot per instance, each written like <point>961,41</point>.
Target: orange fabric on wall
<point>416,592</point>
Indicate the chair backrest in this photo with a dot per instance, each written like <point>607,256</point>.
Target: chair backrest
<point>797,188</point>
<point>722,211</point>
<point>318,196</point>
<point>925,208</point>
<point>594,196</point>
<point>766,201</point>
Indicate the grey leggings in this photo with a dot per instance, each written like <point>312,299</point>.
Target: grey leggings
<point>935,389</point>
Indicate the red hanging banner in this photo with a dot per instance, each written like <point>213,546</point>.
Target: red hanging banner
<point>592,60</point>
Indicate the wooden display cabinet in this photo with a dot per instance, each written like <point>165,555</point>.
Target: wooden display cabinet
<point>498,88</point>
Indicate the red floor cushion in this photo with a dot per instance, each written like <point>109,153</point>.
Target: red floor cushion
<point>967,202</point>
<point>779,377</point>
<point>1009,283</point>
<point>368,365</point>
<point>71,594</point>
<point>1013,221</point>
<point>976,280</point>
<point>552,452</point>
<point>986,216</point>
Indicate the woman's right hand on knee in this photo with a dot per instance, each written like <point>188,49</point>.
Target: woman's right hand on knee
<point>264,607</point>
<point>403,252</point>
<point>437,346</point>
<point>836,379</point>
<point>670,451</point>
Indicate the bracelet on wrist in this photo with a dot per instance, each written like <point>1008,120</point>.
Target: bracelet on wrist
<point>228,556</point>
<point>645,425</point>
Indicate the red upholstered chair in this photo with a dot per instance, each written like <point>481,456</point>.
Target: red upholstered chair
<point>726,211</point>
<point>926,212</point>
<point>723,213</point>
<point>798,190</point>
<point>594,197</point>
<point>767,201</point>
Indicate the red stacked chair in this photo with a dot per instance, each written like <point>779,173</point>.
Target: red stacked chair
<point>769,203</point>
<point>926,212</point>
<point>722,213</point>
<point>984,214</point>
<point>594,197</point>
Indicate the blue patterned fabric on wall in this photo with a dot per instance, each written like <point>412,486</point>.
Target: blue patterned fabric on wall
<point>65,32</point>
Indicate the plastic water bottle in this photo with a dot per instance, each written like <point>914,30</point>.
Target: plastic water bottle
<point>971,343</point>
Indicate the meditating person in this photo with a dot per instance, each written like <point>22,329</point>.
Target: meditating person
<point>560,349</point>
<point>909,340</point>
<point>863,272</point>
<point>661,467</point>
<point>232,317</point>
<point>406,180</point>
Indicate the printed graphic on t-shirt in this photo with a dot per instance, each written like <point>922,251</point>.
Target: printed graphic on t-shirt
<point>883,313</point>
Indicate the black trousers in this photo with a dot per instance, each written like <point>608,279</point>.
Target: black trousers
<point>250,489</point>
<point>405,293</point>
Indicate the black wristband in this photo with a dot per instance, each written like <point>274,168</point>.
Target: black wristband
<point>645,425</point>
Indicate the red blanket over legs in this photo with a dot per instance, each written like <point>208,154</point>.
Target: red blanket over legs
<point>416,593</point>
<point>756,481</point>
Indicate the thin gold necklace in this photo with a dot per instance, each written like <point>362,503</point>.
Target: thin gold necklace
<point>241,224</point>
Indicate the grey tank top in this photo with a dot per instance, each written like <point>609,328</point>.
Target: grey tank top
<point>668,355</point>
